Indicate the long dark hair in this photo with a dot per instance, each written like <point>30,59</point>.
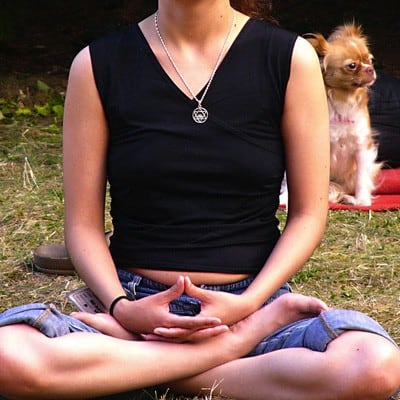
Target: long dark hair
<point>259,9</point>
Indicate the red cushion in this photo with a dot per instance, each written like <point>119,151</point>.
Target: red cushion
<point>386,196</point>
<point>388,182</point>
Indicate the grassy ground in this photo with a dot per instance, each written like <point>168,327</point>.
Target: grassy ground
<point>356,265</point>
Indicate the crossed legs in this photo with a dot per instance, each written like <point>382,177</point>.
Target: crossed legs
<point>84,365</point>
<point>356,365</point>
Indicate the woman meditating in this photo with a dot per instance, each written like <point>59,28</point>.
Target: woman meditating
<point>192,116</point>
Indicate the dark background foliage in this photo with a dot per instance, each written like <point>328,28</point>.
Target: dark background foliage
<point>42,36</point>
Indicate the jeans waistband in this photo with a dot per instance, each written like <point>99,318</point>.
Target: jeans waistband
<point>140,281</point>
<point>138,287</point>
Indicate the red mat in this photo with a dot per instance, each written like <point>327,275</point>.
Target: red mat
<point>386,195</point>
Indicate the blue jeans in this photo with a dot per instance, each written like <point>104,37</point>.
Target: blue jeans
<point>45,318</point>
<point>313,333</point>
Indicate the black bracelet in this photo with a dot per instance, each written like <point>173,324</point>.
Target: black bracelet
<point>114,302</point>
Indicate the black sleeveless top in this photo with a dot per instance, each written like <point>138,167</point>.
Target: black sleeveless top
<point>188,196</point>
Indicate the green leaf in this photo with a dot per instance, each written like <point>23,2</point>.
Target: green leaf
<point>58,109</point>
<point>43,87</point>
<point>44,110</point>
<point>23,111</point>
<point>7,111</point>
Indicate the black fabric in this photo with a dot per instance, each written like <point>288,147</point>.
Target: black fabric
<point>187,196</point>
<point>384,107</point>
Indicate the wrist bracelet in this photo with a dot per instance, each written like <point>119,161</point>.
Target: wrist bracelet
<point>114,302</point>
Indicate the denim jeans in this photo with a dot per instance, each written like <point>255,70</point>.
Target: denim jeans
<point>45,318</point>
<point>312,333</point>
<point>138,287</point>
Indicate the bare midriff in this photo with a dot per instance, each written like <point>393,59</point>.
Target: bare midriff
<point>198,278</point>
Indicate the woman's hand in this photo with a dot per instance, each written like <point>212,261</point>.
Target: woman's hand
<point>229,308</point>
<point>284,310</point>
<point>151,315</point>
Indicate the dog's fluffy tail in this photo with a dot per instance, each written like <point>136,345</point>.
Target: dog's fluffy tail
<point>338,194</point>
<point>344,192</point>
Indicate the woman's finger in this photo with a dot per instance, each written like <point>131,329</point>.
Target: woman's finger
<point>182,335</point>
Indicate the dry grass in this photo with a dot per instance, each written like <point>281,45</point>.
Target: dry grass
<point>356,265</point>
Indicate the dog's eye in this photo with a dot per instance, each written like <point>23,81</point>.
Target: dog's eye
<point>352,66</point>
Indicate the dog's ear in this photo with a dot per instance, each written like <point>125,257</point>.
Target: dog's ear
<point>319,43</point>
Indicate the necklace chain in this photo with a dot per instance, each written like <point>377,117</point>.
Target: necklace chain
<point>200,114</point>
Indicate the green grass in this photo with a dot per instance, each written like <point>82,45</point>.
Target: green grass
<point>356,265</point>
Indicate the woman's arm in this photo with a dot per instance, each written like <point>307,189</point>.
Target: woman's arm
<point>85,152</point>
<point>85,141</point>
<point>305,129</point>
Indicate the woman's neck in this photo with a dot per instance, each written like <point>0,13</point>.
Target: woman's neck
<point>194,21</point>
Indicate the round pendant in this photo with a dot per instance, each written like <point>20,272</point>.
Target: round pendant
<point>200,115</point>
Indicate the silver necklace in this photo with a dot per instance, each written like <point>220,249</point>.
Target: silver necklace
<point>199,114</point>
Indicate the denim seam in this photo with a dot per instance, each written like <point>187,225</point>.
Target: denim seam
<point>331,332</point>
<point>38,323</point>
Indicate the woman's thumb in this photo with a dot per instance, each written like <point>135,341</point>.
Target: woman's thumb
<point>191,289</point>
<point>175,290</point>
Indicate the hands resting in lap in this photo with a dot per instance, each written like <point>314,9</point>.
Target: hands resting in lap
<point>157,323</point>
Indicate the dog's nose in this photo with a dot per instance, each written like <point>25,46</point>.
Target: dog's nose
<point>370,70</point>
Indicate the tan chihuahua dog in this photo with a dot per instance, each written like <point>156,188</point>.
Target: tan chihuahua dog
<point>348,72</point>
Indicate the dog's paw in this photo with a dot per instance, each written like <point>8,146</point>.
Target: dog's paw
<point>365,201</point>
<point>348,199</point>
<point>356,201</point>
<point>363,197</point>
